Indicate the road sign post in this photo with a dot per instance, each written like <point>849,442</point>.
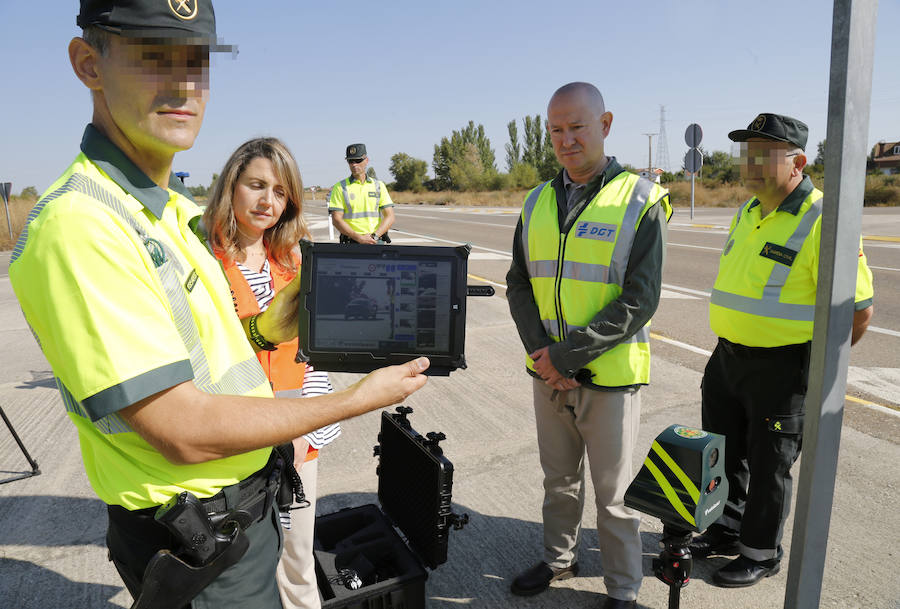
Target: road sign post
<point>693,160</point>
<point>849,102</point>
<point>5,190</point>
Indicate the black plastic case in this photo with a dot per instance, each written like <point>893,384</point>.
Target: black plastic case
<point>361,560</point>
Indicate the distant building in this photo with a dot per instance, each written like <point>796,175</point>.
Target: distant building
<point>886,157</point>
<point>653,175</point>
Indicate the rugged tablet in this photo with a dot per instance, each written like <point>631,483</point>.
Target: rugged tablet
<point>367,306</point>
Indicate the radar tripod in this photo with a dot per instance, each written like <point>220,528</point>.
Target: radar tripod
<point>674,565</point>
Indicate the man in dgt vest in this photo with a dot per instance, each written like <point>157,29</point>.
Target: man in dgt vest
<point>762,309</point>
<point>360,207</point>
<point>584,282</point>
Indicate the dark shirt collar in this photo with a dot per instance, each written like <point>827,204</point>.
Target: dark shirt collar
<point>351,179</point>
<point>611,170</point>
<point>108,157</point>
<point>793,201</point>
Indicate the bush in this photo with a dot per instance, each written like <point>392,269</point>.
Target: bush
<point>523,175</point>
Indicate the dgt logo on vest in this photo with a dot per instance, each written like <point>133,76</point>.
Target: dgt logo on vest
<point>596,230</point>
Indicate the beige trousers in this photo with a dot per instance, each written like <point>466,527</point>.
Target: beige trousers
<point>604,425</point>
<point>296,573</point>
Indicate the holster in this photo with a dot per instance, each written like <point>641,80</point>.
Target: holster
<point>171,583</point>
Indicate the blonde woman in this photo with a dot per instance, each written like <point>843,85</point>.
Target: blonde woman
<point>255,219</point>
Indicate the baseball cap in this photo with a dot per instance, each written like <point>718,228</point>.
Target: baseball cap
<point>191,20</point>
<point>774,127</point>
<point>356,152</point>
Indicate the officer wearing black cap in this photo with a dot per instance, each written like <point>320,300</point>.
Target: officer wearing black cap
<point>159,376</point>
<point>360,206</point>
<point>762,308</point>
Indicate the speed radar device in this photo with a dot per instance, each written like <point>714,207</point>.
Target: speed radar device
<point>682,482</point>
<point>367,306</point>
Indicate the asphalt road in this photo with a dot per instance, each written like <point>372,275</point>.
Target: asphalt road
<point>52,526</point>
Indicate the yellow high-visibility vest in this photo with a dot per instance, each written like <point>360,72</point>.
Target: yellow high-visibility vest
<point>574,275</point>
<point>765,291</point>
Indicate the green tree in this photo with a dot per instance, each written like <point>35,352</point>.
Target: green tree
<point>719,166</point>
<point>533,153</point>
<point>29,192</point>
<point>408,172</point>
<point>523,175</point>
<point>820,154</point>
<point>457,150</point>
<point>549,165</point>
<point>513,150</point>
<point>198,191</point>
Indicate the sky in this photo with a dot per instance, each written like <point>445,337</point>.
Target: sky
<point>400,75</point>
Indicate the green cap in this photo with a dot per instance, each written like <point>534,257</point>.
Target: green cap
<point>774,127</point>
<point>193,21</point>
<point>356,152</point>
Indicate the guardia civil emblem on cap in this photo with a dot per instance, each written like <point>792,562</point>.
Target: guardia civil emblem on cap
<point>351,150</point>
<point>690,432</point>
<point>758,123</point>
<point>184,9</point>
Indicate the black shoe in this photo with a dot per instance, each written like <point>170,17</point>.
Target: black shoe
<point>743,571</point>
<point>617,603</point>
<point>538,578</point>
<point>715,542</point>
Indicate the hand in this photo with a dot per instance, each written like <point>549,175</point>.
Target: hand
<point>367,239</point>
<point>550,375</point>
<point>301,446</point>
<point>278,324</point>
<point>390,385</point>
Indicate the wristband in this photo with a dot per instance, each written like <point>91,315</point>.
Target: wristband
<point>257,338</point>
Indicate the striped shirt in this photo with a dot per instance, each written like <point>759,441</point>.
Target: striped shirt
<point>315,382</point>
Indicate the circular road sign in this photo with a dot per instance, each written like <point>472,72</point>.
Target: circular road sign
<point>693,160</point>
<point>693,135</point>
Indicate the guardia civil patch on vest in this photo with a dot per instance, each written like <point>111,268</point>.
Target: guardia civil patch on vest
<point>778,253</point>
<point>191,280</point>
<point>373,194</point>
<point>599,231</point>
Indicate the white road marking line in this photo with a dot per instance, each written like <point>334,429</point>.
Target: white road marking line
<point>671,294</point>
<point>699,247</point>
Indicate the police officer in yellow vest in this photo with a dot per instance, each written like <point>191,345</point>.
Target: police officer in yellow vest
<point>155,370</point>
<point>584,282</point>
<point>762,308</point>
<point>360,207</point>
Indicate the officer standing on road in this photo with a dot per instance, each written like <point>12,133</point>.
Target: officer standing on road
<point>360,207</point>
<point>762,309</point>
<point>584,282</point>
<point>135,317</point>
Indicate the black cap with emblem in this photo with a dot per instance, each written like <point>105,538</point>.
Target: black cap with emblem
<point>192,21</point>
<point>356,152</point>
<point>774,127</point>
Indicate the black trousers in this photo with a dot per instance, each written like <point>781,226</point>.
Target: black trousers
<point>754,397</point>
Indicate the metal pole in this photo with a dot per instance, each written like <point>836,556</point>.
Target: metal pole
<point>852,44</point>
<point>692,195</point>
<point>34,466</point>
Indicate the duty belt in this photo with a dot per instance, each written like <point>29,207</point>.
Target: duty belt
<point>800,349</point>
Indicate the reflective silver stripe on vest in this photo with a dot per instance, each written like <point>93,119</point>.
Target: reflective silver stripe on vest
<point>780,272</point>
<point>552,327</point>
<point>622,249</point>
<point>527,211</point>
<point>349,213</point>
<point>585,271</point>
<point>237,380</point>
<point>542,268</point>
<point>769,305</point>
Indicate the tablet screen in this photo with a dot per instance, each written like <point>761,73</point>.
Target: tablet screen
<point>365,306</point>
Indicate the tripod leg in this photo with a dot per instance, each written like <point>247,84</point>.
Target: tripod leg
<point>34,466</point>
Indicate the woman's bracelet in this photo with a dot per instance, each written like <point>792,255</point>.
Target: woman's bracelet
<point>258,338</point>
